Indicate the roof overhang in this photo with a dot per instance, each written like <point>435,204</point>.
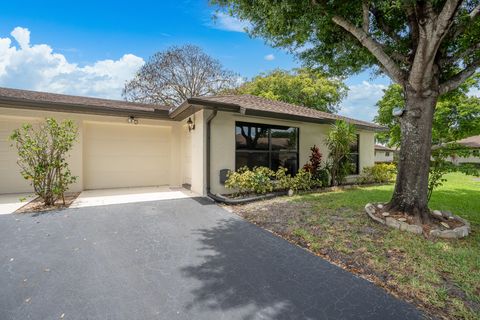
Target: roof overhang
<point>192,105</point>
<point>82,109</point>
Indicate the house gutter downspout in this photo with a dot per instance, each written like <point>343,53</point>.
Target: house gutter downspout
<point>209,121</point>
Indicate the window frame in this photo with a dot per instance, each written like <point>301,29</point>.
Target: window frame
<point>269,151</point>
<point>357,162</point>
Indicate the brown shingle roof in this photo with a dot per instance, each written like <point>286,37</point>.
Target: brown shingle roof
<point>470,142</point>
<point>250,102</point>
<point>27,96</point>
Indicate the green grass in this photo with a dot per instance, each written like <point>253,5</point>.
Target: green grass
<point>441,276</point>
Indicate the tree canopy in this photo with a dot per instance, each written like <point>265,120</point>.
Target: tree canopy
<point>457,115</point>
<point>171,76</point>
<point>304,87</point>
<point>395,37</point>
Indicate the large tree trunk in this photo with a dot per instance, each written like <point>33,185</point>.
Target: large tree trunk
<point>411,188</point>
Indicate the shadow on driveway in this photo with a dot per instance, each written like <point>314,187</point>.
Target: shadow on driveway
<point>247,268</point>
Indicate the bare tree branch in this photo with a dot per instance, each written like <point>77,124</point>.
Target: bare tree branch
<point>366,16</point>
<point>172,76</point>
<point>432,28</point>
<point>375,48</point>
<point>455,81</point>
<point>412,22</point>
<point>445,17</point>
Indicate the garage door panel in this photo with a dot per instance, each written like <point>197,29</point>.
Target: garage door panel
<point>10,179</point>
<point>126,155</point>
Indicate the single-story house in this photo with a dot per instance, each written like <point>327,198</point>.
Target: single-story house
<point>472,142</point>
<point>384,154</point>
<point>124,144</point>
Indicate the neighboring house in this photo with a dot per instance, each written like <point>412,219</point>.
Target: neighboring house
<point>472,142</point>
<point>123,144</point>
<point>384,154</point>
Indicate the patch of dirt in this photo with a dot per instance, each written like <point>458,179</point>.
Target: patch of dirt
<point>36,205</point>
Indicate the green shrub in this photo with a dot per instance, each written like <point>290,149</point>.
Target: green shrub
<point>323,177</point>
<point>303,180</point>
<point>284,181</point>
<point>258,180</point>
<point>314,167</point>
<point>381,172</point>
<point>262,180</point>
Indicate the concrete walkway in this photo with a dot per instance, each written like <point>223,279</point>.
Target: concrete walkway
<point>102,197</point>
<point>9,203</point>
<point>171,259</point>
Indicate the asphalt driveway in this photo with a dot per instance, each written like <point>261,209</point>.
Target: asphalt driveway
<point>172,259</point>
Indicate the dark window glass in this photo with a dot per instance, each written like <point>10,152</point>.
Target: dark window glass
<point>284,139</point>
<point>251,159</point>
<point>251,137</point>
<point>267,146</point>
<point>287,160</point>
<point>354,156</point>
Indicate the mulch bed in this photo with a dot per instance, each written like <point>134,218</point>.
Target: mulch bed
<point>36,205</point>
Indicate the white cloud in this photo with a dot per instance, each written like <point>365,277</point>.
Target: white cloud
<point>38,67</point>
<point>361,99</point>
<point>226,22</point>
<point>269,57</point>
<point>22,35</point>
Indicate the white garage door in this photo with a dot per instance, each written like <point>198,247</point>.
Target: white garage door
<point>117,155</point>
<point>10,179</point>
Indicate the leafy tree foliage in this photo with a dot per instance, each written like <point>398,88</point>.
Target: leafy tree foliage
<point>42,153</point>
<point>457,116</point>
<point>176,74</point>
<point>428,47</point>
<point>304,87</point>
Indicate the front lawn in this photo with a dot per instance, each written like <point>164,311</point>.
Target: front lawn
<point>440,276</point>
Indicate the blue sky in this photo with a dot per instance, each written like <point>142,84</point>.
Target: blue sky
<point>93,47</point>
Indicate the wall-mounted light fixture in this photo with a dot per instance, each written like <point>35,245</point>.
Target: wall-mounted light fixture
<point>191,124</point>
<point>132,120</point>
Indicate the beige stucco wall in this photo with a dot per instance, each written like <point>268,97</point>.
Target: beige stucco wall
<point>380,156</point>
<point>185,152</point>
<point>198,152</point>
<point>223,143</point>
<point>172,152</point>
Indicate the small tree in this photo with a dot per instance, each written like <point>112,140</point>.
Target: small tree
<point>339,141</point>
<point>42,155</point>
